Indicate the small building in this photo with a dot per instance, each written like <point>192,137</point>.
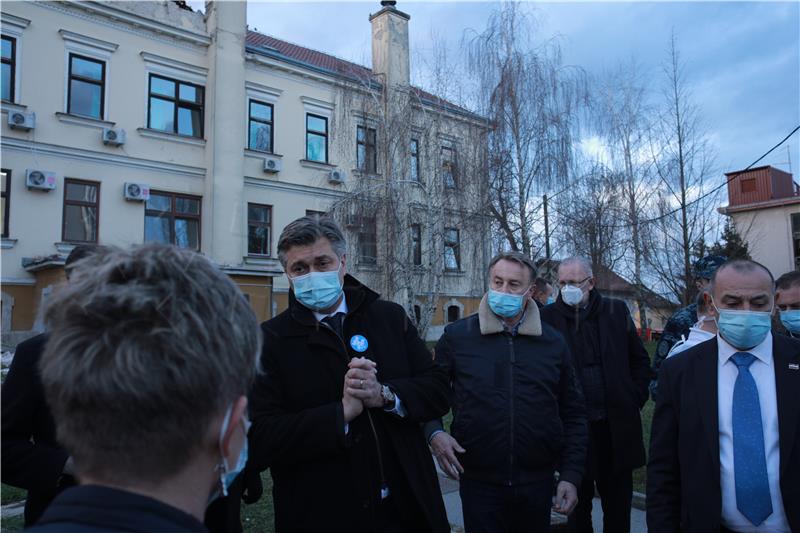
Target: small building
<point>764,203</point>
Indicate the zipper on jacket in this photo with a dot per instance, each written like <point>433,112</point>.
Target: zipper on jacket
<point>384,485</point>
<point>512,359</point>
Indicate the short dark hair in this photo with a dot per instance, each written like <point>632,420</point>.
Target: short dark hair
<point>740,265</point>
<point>540,284</point>
<point>516,257</point>
<point>308,230</point>
<point>146,346</point>
<point>788,280</point>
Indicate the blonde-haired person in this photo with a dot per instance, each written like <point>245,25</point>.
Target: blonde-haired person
<point>151,353</point>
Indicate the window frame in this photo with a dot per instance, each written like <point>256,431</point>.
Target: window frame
<point>414,152</point>
<point>449,164</point>
<point>270,123</point>
<point>456,249</point>
<point>260,223</point>
<point>6,195</point>
<point>12,61</point>
<point>367,226</point>
<point>365,167</point>
<point>173,214</point>
<point>447,313</point>
<point>316,133</point>
<point>101,83</point>
<point>65,203</point>
<point>416,245</point>
<point>177,104</point>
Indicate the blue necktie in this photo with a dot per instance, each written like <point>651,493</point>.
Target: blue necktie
<point>749,461</point>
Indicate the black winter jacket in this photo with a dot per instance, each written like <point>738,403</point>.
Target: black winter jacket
<point>326,479</point>
<point>517,408</point>
<point>626,369</point>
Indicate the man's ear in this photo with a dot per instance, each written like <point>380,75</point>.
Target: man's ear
<point>237,415</point>
<point>590,283</point>
<point>711,309</point>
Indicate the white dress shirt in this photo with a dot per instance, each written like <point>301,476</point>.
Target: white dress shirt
<point>763,372</point>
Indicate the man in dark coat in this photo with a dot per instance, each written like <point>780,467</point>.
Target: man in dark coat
<point>725,443</point>
<point>31,457</point>
<point>337,413</point>
<point>614,371</point>
<point>518,413</point>
<point>678,326</point>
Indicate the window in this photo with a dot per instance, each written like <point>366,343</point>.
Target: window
<point>367,242</point>
<point>259,223</point>
<point>173,219</point>
<point>414,163</point>
<point>9,67</point>
<point>453,313</point>
<point>87,80</point>
<point>81,210</point>
<point>316,138</point>
<point>417,314</point>
<point>311,213</point>
<point>175,107</point>
<point>452,250</point>
<point>260,127</point>
<point>366,153</point>
<point>5,183</point>
<point>748,185</point>
<point>449,177</point>
<point>416,244</point>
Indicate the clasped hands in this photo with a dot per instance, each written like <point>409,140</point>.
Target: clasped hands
<point>361,388</point>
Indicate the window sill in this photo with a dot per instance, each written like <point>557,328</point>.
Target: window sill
<point>316,164</point>
<point>261,260</point>
<point>259,154</point>
<point>454,273</point>
<point>8,105</point>
<point>7,243</point>
<point>172,137</point>
<point>64,247</point>
<point>360,173</point>
<point>368,268</point>
<point>83,121</point>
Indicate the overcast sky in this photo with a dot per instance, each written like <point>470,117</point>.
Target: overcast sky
<point>742,58</point>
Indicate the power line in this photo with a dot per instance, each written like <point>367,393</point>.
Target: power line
<point>699,198</point>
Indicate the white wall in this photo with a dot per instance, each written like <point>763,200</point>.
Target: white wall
<point>768,233</point>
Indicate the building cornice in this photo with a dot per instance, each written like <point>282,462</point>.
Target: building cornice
<point>759,206</point>
<point>13,22</point>
<point>103,158</point>
<point>85,40</point>
<point>293,188</point>
<point>121,19</point>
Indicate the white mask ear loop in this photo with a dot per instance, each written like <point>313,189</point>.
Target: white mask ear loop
<point>222,466</point>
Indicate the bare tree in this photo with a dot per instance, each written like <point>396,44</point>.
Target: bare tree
<point>414,204</point>
<point>683,161</point>
<point>530,99</point>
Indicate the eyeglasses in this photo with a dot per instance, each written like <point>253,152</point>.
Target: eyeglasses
<point>563,284</point>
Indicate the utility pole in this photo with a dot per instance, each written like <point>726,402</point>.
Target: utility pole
<point>546,231</point>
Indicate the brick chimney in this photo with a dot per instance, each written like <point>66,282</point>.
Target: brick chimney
<point>390,56</point>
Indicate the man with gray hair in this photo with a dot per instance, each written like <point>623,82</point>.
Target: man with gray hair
<point>518,415</point>
<point>614,371</point>
<point>151,353</point>
<point>336,416</point>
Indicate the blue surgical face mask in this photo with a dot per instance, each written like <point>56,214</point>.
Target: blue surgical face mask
<point>226,474</point>
<point>744,329</point>
<point>318,290</point>
<point>791,320</point>
<point>550,300</point>
<point>504,304</point>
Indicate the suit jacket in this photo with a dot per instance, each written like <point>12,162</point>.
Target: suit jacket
<point>326,479</point>
<point>31,457</point>
<point>683,474</point>
<point>626,370</point>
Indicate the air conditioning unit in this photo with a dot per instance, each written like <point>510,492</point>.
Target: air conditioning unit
<point>42,180</point>
<point>20,120</point>
<point>137,192</point>
<point>336,176</point>
<point>113,136</point>
<point>273,164</point>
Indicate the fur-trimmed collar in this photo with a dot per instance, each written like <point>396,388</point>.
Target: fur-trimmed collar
<point>490,323</point>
